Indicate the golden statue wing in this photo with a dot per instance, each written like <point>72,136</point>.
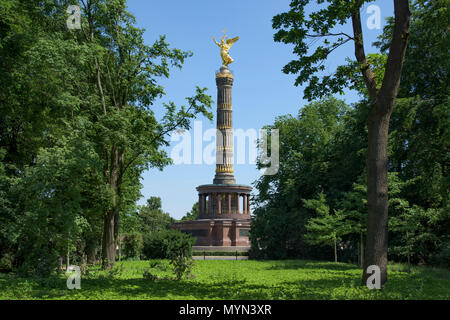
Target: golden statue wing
<point>232,41</point>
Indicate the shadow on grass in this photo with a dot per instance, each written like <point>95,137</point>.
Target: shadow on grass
<point>171,289</point>
<point>145,289</point>
<point>330,281</point>
<point>295,265</point>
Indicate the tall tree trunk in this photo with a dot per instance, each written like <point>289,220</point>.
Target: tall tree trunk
<point>91,249</point>
<point>409,252</point>
<point>108,243</point>
<point>335,251</point>
<point>358,249</point>
<point>67,258</point>
<point>383,99</point>
<point>361,246</point>
<point>109,225</point>
<point>377,192</point>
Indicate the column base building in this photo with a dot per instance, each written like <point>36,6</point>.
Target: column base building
<point>223,222</point>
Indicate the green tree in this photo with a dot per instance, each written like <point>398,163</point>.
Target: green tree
<point>96,86</point>
<point>324,228</point>
<point>162,244</point>
<point>152,217</point>
<point>297,28</point>
<point>47,161</point>
<point>426,66</point>
<point>354,208</point>
<point>191,215</point>
<point>317,152</point>
<point>123,70</point>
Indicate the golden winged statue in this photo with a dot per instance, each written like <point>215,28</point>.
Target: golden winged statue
<point>225,46</point>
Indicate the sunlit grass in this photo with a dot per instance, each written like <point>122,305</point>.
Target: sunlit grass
<point>290,279</point>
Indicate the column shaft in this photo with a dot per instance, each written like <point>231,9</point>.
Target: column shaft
<point>219,203</point>
<point>248,204</point>
<point>210,203</point>
<point>224,142</point>
<point>244,200</point>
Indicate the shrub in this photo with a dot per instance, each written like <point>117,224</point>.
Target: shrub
<point>157,266</point>
<point>39,263</point>
<point>6,263</point>
<point>220,253</point>
<point>132,245</point>
<point>443,257</point>
<point>181,263</point>
<point>150,276</point>
<point>162,265</point>
<point>162,244</point>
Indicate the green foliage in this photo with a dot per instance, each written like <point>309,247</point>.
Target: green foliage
<point>220,253</point>
<point>116,272</point>
<point>152,217</point>
<point>6,262</point>
<point>238,280</point>
<point>132,245</point>
<point>331,159</point>
<point>150,276</point>
<point>443,258</point>
<point>162,244</point>
<point>426,63</point>
<point>323,150</point>
<point>78,127</point>
<point>181,262</point>
<point>320,150</point>
<point>301,29</point>
<point>191,215</point>
<point>324,228</point>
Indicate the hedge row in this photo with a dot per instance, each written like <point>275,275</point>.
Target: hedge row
<point>219,253</point>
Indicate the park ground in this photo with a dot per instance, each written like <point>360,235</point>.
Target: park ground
<point>214,279</point>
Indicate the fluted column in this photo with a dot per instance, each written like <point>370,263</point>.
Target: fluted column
<point>219,203</point>
<point>244,209</point>
<point>248,204</point>
<point>210,203</point>
<point>204,203</point>
<point>224,138</point>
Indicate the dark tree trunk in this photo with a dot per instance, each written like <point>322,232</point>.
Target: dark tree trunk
<point>377,194</point>
<point>108,243</point>
<point>91,250</point>
<point>361,245</point>
<point>335,251</point>
<point>109,224</point>
<point>383,100</point>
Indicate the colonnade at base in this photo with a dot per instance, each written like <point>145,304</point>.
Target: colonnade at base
<point>216,203</point>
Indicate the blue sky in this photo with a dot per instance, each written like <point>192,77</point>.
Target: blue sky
<point>261,91</point>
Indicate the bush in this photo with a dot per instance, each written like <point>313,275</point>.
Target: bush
<point>219,253</point>
<point>150,276</point>
<point>156,268</point>
<point>443,257</point>
<point>6,263</point>
<point>181,264</point>
<point>41,263</point>
<point>132,245</point>
<point>164,243</point>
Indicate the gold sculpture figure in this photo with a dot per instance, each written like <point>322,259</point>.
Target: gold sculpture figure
<point>225,46</point>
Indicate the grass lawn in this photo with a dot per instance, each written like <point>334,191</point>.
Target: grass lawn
<point>292,279</point>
